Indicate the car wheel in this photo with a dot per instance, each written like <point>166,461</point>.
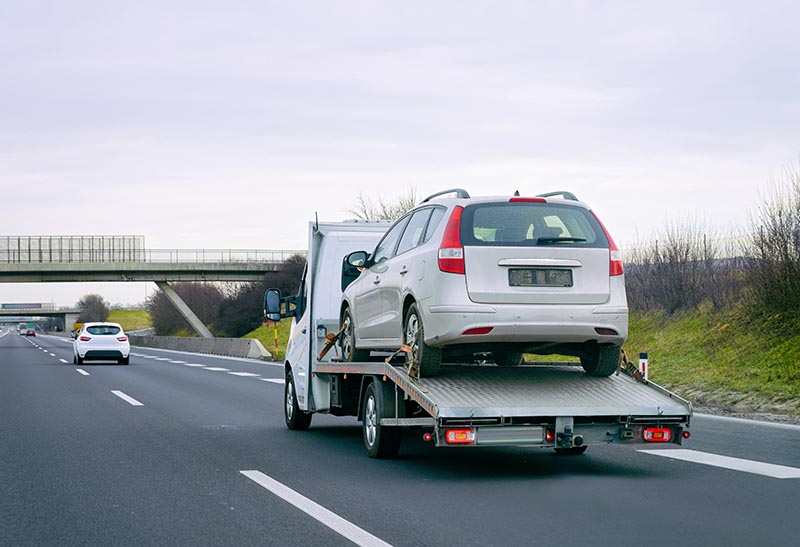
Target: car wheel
<point>124,360</point>
<point>429,358</point>
<point>78,360</point>
<point>601,361</point>
<point>348,340</point>
<point>380,441</point>
<point>74,359</point>
<point>508,358</point>
<point>571,451</point>
<point>296,419</point>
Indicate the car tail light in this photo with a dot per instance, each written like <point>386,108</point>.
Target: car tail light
<point>85,338</point>
<point>527,200</point>
<point>614,254</point>
<point>657,434</point>
<point>459,436</point>
<point>477,330</point>
<point>122,338</point>
<point>451,252</point>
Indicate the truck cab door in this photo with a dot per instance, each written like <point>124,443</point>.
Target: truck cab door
<point>297,349</point>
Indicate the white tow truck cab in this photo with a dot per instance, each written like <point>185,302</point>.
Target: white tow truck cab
<point>545,405</point>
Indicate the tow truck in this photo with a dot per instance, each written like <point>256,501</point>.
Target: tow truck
<point>542,405</point>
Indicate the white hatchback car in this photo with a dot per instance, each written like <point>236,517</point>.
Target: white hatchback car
<point>101,342</point>
<point>458,278</point>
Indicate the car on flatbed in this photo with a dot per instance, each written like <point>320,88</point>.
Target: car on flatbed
<point>461,278</point>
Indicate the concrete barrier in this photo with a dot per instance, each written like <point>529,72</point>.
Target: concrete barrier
<point>234,347</point>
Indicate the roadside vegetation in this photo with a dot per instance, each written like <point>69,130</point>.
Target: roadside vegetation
<point>131,319</point>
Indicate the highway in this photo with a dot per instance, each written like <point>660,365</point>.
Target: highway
<point>184,449</point>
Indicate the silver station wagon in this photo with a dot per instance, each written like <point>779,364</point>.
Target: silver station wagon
<point>464,279</point>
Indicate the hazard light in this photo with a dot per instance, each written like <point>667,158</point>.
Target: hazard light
<point>459,436</point>
<point>657,434</point>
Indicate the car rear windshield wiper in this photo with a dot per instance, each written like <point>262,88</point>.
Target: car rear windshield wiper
<point>549,240</point>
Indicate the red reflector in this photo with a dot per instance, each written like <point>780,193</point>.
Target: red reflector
<point>528,200</point>
<point>85,338</point>
<point>657,434</point>
<point>427,437</point>
<point>459,436</point>
<point>478,330</point>
<point>122,338</point>
<point>686,434</point>
<point>606,332</point>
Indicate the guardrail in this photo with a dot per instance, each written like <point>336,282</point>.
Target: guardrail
<point>234,347</point>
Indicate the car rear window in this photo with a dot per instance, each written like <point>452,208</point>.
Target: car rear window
<point>530,224</point>
<point>103,329</point>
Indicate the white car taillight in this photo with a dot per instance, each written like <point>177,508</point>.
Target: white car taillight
<point>451,252</point>
<point>614,254</point>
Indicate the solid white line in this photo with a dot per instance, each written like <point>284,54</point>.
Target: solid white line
<point>737,464</point>
<point>218,369</point>
<point>274,380</point>
<point>214,356</point>
<point>315,510</point>
<point>80,370</point>
<point>749,422</point>
<point>63,360</point>
<point>126,398</point>
<point>244,374</point>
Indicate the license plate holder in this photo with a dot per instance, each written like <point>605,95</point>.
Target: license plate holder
<point>539,277</point>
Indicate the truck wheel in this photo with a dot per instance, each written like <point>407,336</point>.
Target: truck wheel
<point>296,419</point>
<point>348,343</point>
<point>571,451</point>
<point>429,358</point>
<point>508,358</point>
<point>380,441</point>
<point>601,361</point>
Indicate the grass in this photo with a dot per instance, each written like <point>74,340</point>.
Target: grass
<point>131,319</point>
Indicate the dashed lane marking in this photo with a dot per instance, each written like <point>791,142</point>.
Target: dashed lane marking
<point>177,362</point>
<point>330,519</point>
<point>218,369</point>
<point>244,374</point>
<point>52,355</point>
<point>193,365</point>
<point>81,371</point>
<point>63,361</point>
<point>274,380</point>
<point>726,462</point>
<point>128,399</point>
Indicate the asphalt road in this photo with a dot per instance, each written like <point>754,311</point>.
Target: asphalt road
<point>199,455</point>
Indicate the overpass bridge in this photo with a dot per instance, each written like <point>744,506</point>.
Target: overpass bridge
<point>42,259</point>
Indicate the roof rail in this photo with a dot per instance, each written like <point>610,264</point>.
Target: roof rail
<point>460,193</point>
<point>567,195</point>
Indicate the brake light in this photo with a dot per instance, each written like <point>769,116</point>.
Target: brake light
<point>477,330</point>
<point>451,252</point>
<point>122,338</point>
<point>459,436</point>
<point>657,434</point>
<point>614,254</point>
<point>528,200</point>
<point>85,338</point>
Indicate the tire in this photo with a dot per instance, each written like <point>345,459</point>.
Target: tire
<point>380,441</point>
<point>78,361</point>
<point>125,360</point>
<point>348,341</point>
<point>508,358</point>
<point>296,419</point>
<point>572,451</point>
<point>601,361</point>
<point>74,359</point>
<point>429,358</point>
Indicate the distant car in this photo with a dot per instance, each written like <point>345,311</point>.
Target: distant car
<point>101,342</point>
<point>30,332</point>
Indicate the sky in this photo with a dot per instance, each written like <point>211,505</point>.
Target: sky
<point>231,124</point>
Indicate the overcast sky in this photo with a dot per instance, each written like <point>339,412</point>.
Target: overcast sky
<point>229,124</point>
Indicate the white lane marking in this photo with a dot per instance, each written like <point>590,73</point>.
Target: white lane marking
<point>737,464</point>
<point>177,362</point>
<point>218,369</point>
<point>328,518</point>
<point>81,371</point>
<point>160,358</point>
<point>52,354</point>
<point>126,398</point>
<point>63,360</point>
<point>226,357</point>
<point>193,365</point>
<point>747,421</point>
<point>245,374</point>
<point>274,380</point>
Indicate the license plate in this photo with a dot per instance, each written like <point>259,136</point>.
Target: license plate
<point>539,277</point>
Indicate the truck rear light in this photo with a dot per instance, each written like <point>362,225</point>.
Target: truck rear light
<point>477,330</point>
<point>451,252</point>
<point>122,338</point>
<point>85,338</point>
<point>657,435</point>
<point>615,266</point>
<point>549,435</point>
<point>527,200</point>
<point>686,434</point>
<point>459,436</point>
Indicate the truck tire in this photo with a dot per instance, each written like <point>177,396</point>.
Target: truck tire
<point>380,441</point>
<point>348,341</point>
<point>601,361</point>
<point>429,358</point>
<point>508,358</point>
<point>296,419</point>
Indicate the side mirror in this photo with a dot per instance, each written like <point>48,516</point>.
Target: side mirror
<point>352,266</point>
<point>272,305</point>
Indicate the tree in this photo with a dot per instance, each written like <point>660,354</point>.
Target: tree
<point>93,308</point>
<point>384,208</point>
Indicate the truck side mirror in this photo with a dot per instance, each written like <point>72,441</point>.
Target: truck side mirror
<point>272,305</point>
<point>352,265</point>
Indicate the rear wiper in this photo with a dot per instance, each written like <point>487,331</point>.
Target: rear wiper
<point>549,240</point>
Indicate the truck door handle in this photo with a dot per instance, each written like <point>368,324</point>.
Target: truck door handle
<point>404,271</point>
<point>377,279</point>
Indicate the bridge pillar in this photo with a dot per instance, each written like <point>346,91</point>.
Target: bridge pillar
<point>184,310</point>
<point>69,321</point>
